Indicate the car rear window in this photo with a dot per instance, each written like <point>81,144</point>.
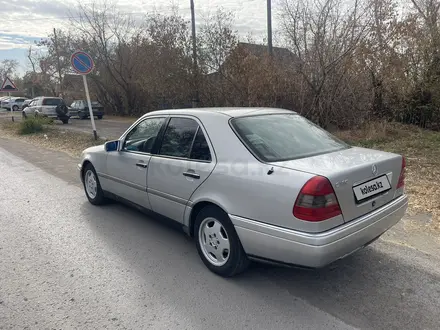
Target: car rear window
<point>281,137</point>
<point>52,101</point>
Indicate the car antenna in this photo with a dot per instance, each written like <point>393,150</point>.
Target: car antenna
<point>270,171</point>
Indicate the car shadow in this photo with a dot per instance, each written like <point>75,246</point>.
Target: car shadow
<point>377,288</point>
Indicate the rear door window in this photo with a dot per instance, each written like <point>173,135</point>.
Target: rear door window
<point>52,101</point>
<point>178,137</point>
<point>283,137</point>
<point>200,148</point>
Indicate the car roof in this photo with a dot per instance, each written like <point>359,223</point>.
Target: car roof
<point>12,97</point>
<point>231,112</point>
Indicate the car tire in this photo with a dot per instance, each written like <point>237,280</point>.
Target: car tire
<point>23,114</point>
<point>81,116</point>
<point>93,191</point>
<point>99,117</point>
<point>218,244</point>
<point>15,108</point>
<point>65,121</point>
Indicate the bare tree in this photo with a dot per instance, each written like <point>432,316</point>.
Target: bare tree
<point>7,68</point>
<point>323,35</point>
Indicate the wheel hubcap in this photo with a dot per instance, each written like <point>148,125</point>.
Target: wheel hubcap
<point>214,241</point>
<point>91,184</point>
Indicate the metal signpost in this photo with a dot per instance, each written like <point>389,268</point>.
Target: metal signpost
<point>83,64</point>
<point>9,86</point>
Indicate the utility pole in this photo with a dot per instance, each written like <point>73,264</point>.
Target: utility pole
<point>58,60</point>
<point>195,101</point>
<point>269,27</point>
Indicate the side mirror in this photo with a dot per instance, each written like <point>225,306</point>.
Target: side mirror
<point>111,146</point>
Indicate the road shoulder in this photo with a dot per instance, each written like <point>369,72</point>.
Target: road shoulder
<point>53,162</point>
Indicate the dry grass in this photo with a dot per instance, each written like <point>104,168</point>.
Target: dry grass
<point>72,143</point>
<point>422,151</point>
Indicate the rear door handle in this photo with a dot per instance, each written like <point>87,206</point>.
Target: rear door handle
<point>140,164</point>
<point>191,175</point>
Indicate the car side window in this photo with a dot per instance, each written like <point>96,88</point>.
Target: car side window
<point>143,136</point>
<point>178,137</point>
<point>200,148</point>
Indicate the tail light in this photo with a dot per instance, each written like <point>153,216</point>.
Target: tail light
<point>401,182</point>
<point>316,201</point>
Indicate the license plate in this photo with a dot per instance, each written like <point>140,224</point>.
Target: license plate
<point>371,188</point>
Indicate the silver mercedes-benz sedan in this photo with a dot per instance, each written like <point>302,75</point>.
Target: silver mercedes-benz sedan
<point>251,184</point>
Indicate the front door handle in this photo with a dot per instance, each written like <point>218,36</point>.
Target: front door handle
<point>141,164</point>
<point>191,174</point>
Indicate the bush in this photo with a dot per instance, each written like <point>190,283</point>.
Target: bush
<point>33,125</point>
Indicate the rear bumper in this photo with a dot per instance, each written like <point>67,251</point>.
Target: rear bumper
<point>316,250</point>
<point>86,113</point>
<point>55,116</point>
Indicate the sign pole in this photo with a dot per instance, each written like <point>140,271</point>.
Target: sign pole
<point>9,86</point>
<point>83,64</point>
<point>86,87</point>
<point>12,110</point>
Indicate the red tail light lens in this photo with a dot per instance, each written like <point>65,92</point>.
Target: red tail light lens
<point>316,201</point>
<point>401,182</point>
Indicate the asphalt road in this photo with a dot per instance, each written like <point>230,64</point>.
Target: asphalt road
<point>106,128</point>
<point>66,264</point>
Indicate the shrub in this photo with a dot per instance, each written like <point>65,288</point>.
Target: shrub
<point>33,125</point>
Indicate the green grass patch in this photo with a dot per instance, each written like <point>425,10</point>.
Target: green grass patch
<point>33,125</point>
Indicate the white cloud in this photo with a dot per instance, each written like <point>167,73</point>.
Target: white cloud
<point>12,43</point>
<point>36,19</point>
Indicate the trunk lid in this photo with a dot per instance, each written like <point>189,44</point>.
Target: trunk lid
<point>363,179</point>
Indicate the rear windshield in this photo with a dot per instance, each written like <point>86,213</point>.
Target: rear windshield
<point>282,137</point>
<point>52,101</point>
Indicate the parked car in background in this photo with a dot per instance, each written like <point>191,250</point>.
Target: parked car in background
<point>251,183</point>
<point>26,104</point>
<point>51,107</point>
<point>14,103</point>
<point>79,108</point>
<point>1,99</point>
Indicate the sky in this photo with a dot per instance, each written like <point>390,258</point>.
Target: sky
<point>26,21</point>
